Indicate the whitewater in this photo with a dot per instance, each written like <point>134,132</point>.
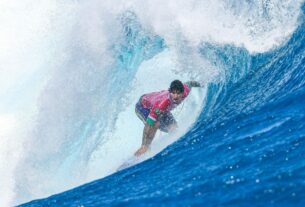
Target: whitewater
<point>71,73</point>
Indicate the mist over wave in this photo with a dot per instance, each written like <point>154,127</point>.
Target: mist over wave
<point>72,71</point>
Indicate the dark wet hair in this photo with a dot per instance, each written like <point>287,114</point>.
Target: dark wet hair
<point>177,86</point>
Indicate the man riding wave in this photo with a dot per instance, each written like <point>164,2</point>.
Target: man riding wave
<point>154,110</point>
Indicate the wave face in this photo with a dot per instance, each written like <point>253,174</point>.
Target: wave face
<point>241,137</point>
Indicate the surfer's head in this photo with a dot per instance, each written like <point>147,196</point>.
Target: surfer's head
<point>176,90</point>
<point>176,86</point>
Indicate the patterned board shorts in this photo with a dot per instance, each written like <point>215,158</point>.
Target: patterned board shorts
<point>166,119</point>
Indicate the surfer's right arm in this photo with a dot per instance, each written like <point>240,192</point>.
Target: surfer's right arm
<point>149,133</point>
<point>152,125</point>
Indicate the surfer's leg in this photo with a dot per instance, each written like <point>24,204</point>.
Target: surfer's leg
<point>141,112</point>
<point>167,122</point>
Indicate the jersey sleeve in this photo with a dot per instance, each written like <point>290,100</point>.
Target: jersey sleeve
<point>156,110</point>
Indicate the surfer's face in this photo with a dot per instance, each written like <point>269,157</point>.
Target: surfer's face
<point>176,96</point>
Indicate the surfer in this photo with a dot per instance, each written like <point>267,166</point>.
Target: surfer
<point>154,110</point>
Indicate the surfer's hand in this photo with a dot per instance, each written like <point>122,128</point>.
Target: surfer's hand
<point>141,151</point>
<point>193,84</point>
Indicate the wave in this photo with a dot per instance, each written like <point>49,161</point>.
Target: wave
<point>82,65</point>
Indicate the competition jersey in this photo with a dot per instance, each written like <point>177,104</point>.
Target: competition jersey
<point>159,102</point>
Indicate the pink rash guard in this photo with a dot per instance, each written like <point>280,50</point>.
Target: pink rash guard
<point>160,102</point>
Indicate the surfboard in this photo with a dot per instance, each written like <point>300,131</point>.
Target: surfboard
<point>129,162</point>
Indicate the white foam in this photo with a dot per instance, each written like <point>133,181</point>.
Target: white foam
<point>10,152</point>
<point>257,25</point>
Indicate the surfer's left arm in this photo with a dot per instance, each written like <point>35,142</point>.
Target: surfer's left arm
<point>193,84</point>
<point>148,135</point>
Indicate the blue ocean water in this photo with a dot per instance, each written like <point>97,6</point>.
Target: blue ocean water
<point>245,149</point>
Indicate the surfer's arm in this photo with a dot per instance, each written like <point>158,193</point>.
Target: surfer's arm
<point>149,133</point>
<point>193,84</point>
<point>151,126</point>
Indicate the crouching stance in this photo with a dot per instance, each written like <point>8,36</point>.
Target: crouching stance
<point>154,110</point>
